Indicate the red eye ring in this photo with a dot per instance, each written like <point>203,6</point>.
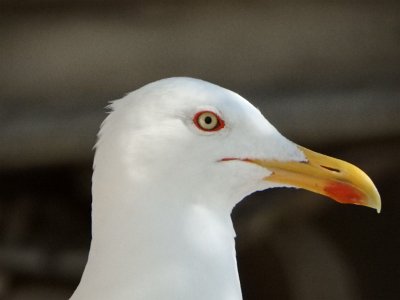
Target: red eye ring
<point>208,121</point>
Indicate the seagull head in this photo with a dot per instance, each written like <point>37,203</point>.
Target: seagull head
<point>197,138</point>
<point>172,160</point>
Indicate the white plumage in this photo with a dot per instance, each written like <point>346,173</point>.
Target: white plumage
<point>163,190</point>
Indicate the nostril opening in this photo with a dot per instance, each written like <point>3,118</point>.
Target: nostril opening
<point>331,169</point>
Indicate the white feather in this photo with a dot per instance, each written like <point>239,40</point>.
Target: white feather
<point>161,198</point>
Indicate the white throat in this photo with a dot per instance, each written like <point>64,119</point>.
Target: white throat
<point>143,248</point>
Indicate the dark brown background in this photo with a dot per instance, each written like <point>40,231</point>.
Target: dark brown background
<point>325,73</point>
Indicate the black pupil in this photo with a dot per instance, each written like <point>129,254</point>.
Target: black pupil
<point>208,120</point>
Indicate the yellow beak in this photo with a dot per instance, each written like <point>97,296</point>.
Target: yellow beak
<point>325,175</point>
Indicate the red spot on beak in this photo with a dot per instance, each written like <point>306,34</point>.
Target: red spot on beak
<point>343,193</point>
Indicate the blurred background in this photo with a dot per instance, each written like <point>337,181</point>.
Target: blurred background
<point>325,73</point>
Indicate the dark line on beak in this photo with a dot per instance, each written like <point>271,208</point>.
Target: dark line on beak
<point>331,169</point>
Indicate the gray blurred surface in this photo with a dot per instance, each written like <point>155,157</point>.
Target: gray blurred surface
<point>325,74</point>
<point>317,65</point>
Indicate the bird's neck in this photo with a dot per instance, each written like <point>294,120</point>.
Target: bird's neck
<point>144,247</point>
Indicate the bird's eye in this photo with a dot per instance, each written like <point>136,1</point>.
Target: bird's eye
<point>208,121</point>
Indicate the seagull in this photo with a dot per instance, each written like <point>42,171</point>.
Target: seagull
<point>172,160</point>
